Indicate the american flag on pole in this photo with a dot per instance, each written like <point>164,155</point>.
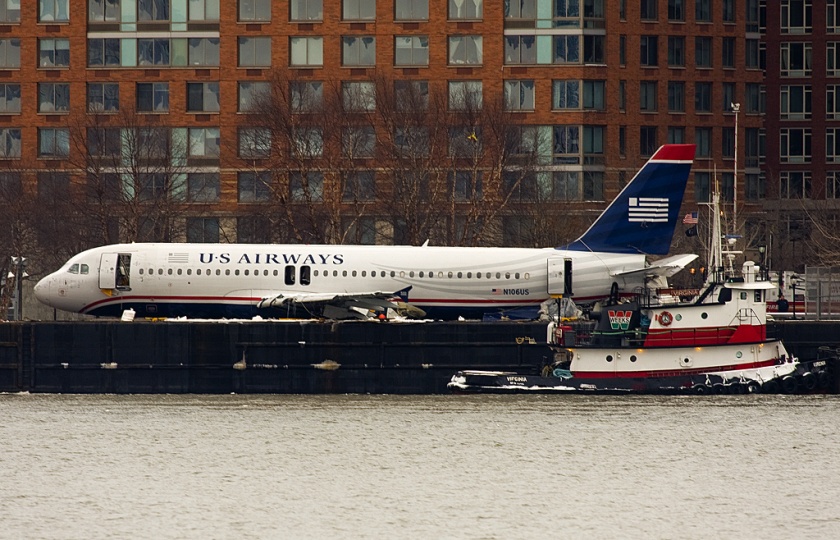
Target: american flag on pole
<point>690,218</point>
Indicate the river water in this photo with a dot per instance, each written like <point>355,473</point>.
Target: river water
<point>235,466</point>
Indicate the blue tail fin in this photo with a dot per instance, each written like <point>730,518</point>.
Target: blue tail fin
<point>643,216</point>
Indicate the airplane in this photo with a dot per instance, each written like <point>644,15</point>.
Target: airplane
<point>354,281</point>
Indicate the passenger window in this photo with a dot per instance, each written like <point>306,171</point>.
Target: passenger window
<point>290,275</point>
<point>160,271</point>
<point>227,272</point>
<point>140,271</point>
<point>218,272</point>
<point>198,272</point>
<point>304,275</point>
<point>189,271</point>
<point>180,271</point>
<point>74,269</point>
<point>246,271</point>
<point>420,274</point>
<point>169,271</point>
<point>364,273</point>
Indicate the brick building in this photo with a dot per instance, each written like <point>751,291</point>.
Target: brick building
<point>603,82</point>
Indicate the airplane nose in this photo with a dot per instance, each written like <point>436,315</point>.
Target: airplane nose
<point>42,290</point>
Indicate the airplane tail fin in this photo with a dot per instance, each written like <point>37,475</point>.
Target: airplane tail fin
<point>643,216</point>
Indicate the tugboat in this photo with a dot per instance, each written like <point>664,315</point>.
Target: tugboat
<point>655,343</point>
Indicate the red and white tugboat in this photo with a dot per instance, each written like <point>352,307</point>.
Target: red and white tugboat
<point>716,342</point>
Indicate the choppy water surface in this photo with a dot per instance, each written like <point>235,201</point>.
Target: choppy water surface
<point>419,467</point>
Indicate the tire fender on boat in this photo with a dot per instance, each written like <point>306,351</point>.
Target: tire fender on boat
<point>753,387</point>
<point>809,381</point>
<point>789,384</point>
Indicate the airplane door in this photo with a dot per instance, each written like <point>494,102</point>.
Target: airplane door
<point>559,276</point>
<point>115,271</point>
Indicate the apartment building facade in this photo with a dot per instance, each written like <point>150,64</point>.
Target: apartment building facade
<point>600,83</point>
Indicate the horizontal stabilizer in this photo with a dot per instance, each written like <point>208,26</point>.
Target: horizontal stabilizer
<point>666,267</point>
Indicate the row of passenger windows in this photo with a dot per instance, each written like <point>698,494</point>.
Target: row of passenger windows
<point>290,273</point>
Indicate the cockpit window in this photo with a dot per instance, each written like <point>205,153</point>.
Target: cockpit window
<point>85,269</point>
<point>74,269</point>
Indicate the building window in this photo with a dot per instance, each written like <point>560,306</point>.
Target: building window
<point>103,97</point>
<point>676,96</point>
<point>203,230</point>
<point>203,187</point>
<point>252,94</point>
<point>832,185</point>
<point>832,145</point>
<point>795,102</point>
<point>53,142</point>
<point>648,96</point>
<point>594,95</point>
<point>306,96</point>
<point>54,52</point>
<point>593,49</point>
<point>755,98</point>
<point>358,10</point>
<point>676,10</point>
<point>411,50</point>
<point>53,10</point>
<point>359,186</point>
<point>358,142</point>
<point>358,50</point>
<point>53,97</point>
<point>622,142</point>
<point>257,10</point>
<point>648,10</point>
<point>307,51</point>
<point>103,52</point>
<point>728,11</point>
<point>10,11</point>
<point>832,102</point>
<point>153,52</point>
<point>204,10</point>
<point>306,10</point>
<point>795,145</point>
<point>566,94</point>
<point>254,143</point>
<point>566,145</point>
<point>702,187</point>
<point>520,50</point>
<point>649,56</point>
<point>466,185</point>
<point>622,95</point>
<point>466,9</point>
<point>519,95</point>
<point>153,97</point>
<point>10,143</point>
<point>411,10</point>
<point>676,51</point>
<point>728,52</point>
<point>754,147</point>
<point>676,135</point>
<point>703,97</point>
<point>203,97</point>
<point>832,17</point>
<point>752,54</point>
<point>703,140</point>
<point>703,10</point>
<point>10,53</point>
<point>728,93</point>
<point>832,58</point>
<point>254,51</point>
<point>358,96</point>
<point>703,52</point>
<point>204,143</point>
<point>204,51</point>
<point>647,140</point>
<point>411,95</point>
<point>754,187</point>
<point>566,49</point>
<point>796,16</point>
<point>254,187</point>
<point>306,187</point>
<point>9,98</point>
<point>464,142</point>
<point>465,95</point>
<point>796,59</point>
<point>412,141</point>
<point>152,10</point>
<point>622,50</point>
<point>465,49</point>
<point>307,142</point>
<point>99,10</point>
<point>104,142</point>
<point>795,185</point>
<point>728,143</point>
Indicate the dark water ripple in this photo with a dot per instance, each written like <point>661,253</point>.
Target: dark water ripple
<point>419,467</point>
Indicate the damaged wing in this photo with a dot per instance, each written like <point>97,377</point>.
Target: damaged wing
<point>666,267</point>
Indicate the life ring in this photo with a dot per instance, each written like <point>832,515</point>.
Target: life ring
<point>665,318</point>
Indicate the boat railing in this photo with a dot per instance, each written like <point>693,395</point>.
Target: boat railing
<point>640,337</point>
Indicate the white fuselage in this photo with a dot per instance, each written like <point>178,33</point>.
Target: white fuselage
<point>230,279</point>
